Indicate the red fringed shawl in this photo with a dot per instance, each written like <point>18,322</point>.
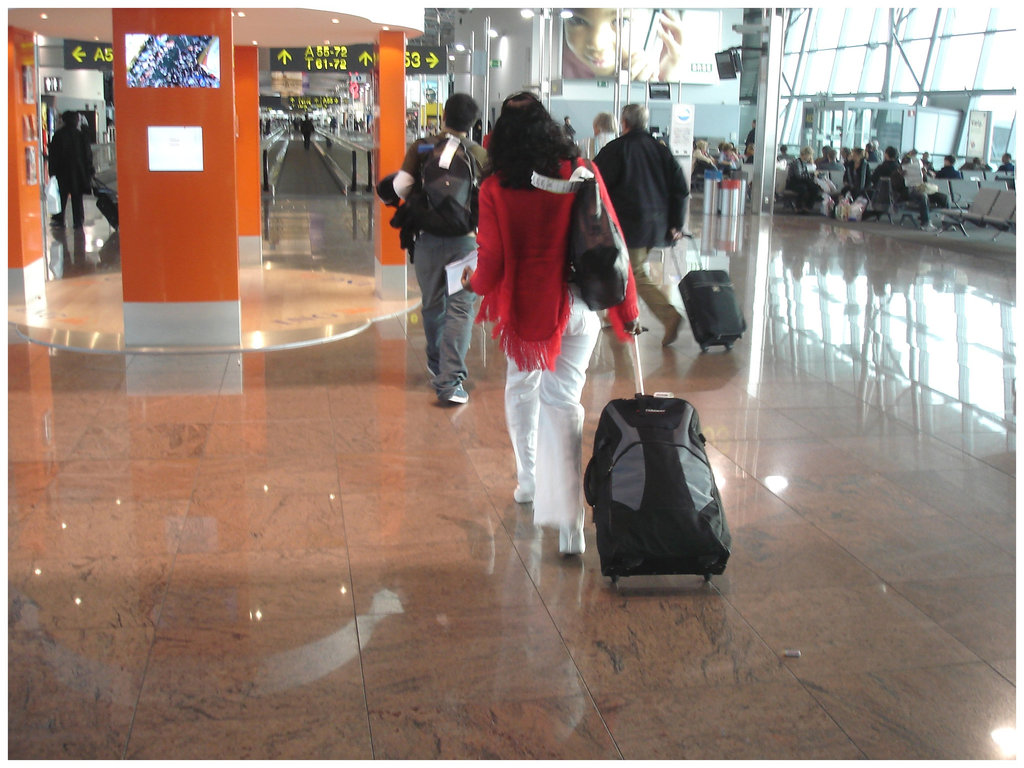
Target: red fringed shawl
<point>522,242</point>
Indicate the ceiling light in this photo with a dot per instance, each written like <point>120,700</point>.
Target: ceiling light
<point>492,33</point>
<point>526,13</point>
<point>241,14</point>
<point>335,21</point>
<point>386,28</point>
<point>43,16</point>
<point>254,42</point>
<point>460,47</point>
<point>566,14</point>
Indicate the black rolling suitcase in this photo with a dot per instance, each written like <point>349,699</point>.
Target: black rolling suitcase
<point>711,307</point>
<point>106,202</point>
<point>656,504</point>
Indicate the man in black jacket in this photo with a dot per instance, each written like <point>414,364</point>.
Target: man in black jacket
<point>70,159</point>
<point>649,191</point>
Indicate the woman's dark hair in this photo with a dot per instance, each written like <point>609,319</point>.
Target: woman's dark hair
<point>525,139</point>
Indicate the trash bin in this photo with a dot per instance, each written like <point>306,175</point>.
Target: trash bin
<point>711,181</point>
<point>743,195</point>
<point>730,191</point>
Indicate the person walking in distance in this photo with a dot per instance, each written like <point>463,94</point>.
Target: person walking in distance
<point>441,239</point>
<point>307,131</point>
<point>649,191</point>
<point>545,329</point>
<point>70,160</point>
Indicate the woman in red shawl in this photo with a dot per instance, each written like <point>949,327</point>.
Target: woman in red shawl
<point>547,333</point>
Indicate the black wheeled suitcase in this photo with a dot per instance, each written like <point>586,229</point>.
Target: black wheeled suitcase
<point>656,504</point>
<point>711,307</point>
<point>106,202</point>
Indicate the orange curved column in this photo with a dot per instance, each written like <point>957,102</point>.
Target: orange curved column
<point>179,229</point>
<point>389,130</point>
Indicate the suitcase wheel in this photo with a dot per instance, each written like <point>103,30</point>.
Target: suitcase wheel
<point>703,347</point>
<point>707,577</point>
<point>728,346</point>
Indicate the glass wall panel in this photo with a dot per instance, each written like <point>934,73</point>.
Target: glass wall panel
<point>956,67</point>
<point>966,20</point>
<point>848,73</point>
<point>919,24</point>
<point>818,72</point>
<point>874,70</point>
<point>826,30</point>
<point>879,25</point>
<point>1003,64</point>
<point>795,30</point>
<point>904,78</point>
<point>789,65</point>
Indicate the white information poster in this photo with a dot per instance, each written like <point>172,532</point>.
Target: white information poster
<point>175,148</point>
<point>680,134</point>
<point>977,134</point>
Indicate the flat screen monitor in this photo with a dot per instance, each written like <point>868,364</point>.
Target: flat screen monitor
<point>660,90</point>
<point>728,64</point>
<point>172,61</point>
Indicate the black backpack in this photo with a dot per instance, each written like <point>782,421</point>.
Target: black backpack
<point>446,199</point>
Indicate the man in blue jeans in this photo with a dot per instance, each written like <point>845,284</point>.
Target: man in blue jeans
<point>447,319</point>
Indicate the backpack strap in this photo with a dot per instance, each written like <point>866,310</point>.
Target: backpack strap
<point>581,173</point>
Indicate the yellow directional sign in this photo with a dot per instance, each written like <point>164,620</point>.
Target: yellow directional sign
<point>80,54</point>
<point>354,58</point>
<point>426,60</point>
<point>323,58</point>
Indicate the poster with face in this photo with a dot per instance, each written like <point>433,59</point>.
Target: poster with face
<point>660,45</point>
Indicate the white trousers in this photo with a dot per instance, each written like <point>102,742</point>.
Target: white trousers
<point>545,423</point>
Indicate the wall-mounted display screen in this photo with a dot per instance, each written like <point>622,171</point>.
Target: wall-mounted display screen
<point>172,61</point>
<point>728,63</point>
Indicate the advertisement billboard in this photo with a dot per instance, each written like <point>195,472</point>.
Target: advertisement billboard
<point>658,45</point>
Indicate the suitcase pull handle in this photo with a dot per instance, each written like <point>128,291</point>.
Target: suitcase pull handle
<point>638,374</point>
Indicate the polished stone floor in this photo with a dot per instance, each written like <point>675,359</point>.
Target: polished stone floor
<point>300,554</point>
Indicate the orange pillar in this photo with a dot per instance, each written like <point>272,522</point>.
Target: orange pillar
<point>389,132</point>
<point>250,182</point>
<point>177,185</point>
<point>26,267</point>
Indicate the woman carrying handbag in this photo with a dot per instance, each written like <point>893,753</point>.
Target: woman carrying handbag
<point>546,331</point>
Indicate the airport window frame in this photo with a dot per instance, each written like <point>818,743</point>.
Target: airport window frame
<point>933,40</point>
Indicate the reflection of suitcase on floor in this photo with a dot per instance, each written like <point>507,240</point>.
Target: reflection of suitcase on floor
<point>656,504</point>
<point>711,307</point>
<point>106,202</point>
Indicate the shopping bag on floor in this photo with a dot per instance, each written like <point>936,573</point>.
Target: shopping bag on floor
<point>52,196</point>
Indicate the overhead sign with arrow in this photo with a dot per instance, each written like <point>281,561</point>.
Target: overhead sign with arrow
<point>79,54</point>
<point>354,58</point>
<point>426,61</point>
<point>323,58</point>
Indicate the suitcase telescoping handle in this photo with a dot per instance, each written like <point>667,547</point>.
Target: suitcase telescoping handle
<point>638,375</point>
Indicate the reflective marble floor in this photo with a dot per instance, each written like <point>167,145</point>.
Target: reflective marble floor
<point>300,554</point>
<point>312,282</point>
